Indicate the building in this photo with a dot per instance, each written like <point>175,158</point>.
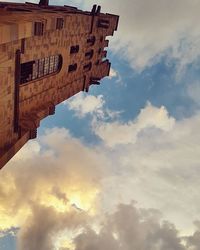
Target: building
<point>47,54</point>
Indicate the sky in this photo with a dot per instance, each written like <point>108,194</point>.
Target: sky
<point>117,168</point>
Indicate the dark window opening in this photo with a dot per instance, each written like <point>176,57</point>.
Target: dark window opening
<point>87,67</point>
<point>89,54</point>
<point>102,23</point>
<point>38,29</point>
<point>74,49</point>
<point>39,68</point>
<point>26,71</point>
<point>99,51</point>
<point>91,40</point>
<point>59,23</point>
<point>101,39</point>
<point>72,67</point>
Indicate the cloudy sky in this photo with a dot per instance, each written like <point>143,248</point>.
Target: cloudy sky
<point>118,168</point>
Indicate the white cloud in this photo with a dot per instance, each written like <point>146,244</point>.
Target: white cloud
<point>83,104</point>
<point>119,133</point>
<point>86,104</point>
<point>159,169</point>
<point>113,73</point>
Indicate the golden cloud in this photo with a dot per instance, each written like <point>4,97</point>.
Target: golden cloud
<point>47,178</point>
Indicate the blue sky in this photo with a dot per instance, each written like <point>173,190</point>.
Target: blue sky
<point>118,168</point>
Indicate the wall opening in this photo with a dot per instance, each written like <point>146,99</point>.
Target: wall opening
<point>91,40</point>
<point>59,23</point>
<point>103,23</point>
<point>74,49</point>
<point>87,67</point>
<point>89,54</point>
<point>38,29</point>
<point>37,69</point>
<point>72,67</point>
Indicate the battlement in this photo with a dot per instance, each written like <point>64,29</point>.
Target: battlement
<point>47,54</point>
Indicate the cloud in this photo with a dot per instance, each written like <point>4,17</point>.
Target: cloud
<point>119,133</point>
<point>44,225</point>
<point>155,161</point>
<point>37,193</point>
<point>83,105</point>
<point>63,179</point>
<point>86,104</point>
<point>11,231</point>
<point>113,73</point>
<point>132,228</point>
<point>59,194</point>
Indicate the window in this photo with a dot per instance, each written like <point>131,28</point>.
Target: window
<point>101,39</point>
<point>99,51</point>
<point>74,49</point>
<point>72,67</point>
<point>26,71</point>
<point>91,40</point>
<point>38,29</point>
<point>59,23</point>
<point>89,54</point>
<point>39,68</point>
<point>102,23</point>
<point>51,64</point>
<point>87,67</point>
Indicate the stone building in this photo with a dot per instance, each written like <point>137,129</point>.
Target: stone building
<point>47,54</point>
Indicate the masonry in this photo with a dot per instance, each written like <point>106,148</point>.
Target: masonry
<point>47,54</point>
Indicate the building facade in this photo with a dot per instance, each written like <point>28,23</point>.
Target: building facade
<point>47,54</point>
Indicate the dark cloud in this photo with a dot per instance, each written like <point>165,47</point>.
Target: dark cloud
<point>44,225</point>
<point>59,194</point>
<point>130,228</point>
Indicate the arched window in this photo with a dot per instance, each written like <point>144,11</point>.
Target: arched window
<point>39,68</point>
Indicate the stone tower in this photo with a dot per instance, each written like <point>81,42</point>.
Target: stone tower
<point>47,54</point>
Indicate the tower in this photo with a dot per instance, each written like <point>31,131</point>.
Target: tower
<point>47,54</point>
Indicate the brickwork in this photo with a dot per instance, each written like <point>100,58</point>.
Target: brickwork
<point>31,34</point>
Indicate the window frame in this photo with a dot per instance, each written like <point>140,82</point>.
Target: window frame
<point>40,68</point>
<point>38,28</point>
